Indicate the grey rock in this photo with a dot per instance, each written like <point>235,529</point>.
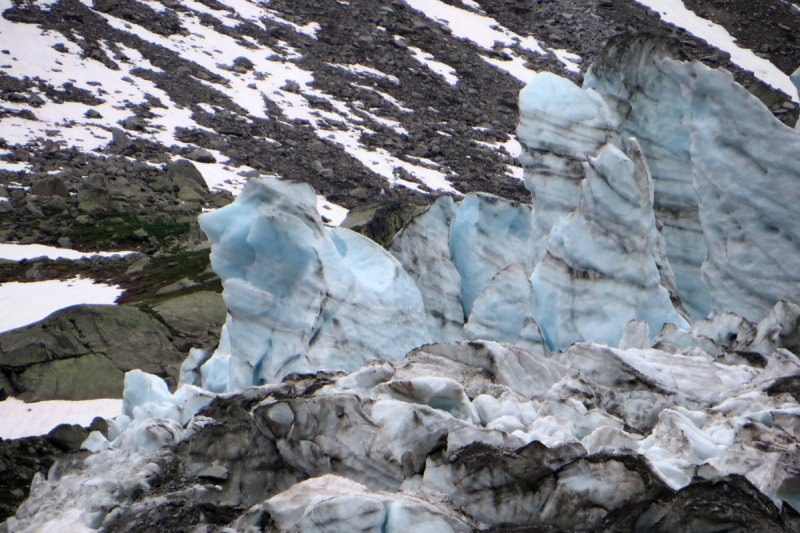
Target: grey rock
<point>138,265</point>
<point>79,378</point>
<point>222,199</point>
<point>201,156</point>
<point>420,151</point>
<point>120,139</point>
<point>381,223</point>
<point>100,425</point>
<point>55,203</point>
<point>181,174</point>
<point>359,193</point>
<point>104,6</point>
<point>82,352</point>
<point>134,123</point>
<point>31,210</point>
<point>187,194</point>
<point>51,186</point>
<point>94,200</point>
<point>291,86</point>
<point>765,93</point>
<point>216,472</point>
<point>68,437</point>
<point>244,63</point>
<point>181,284</point>
<point>195,314</point>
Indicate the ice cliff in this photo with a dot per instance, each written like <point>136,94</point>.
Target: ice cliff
<point>620,356</point>
<point>725,172</point>
<point>602,265</point>
<point>303,297</point>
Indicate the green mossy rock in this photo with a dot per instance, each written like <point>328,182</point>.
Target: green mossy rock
<point>82,352</point>
<point>79,378</point>
<point>381,223</point>
<point>199,314</point>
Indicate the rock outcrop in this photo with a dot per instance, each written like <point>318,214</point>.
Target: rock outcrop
<point>82,352</point>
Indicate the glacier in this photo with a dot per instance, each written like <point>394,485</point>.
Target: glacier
<point>658,112</point>
<point>601,268</point>
<point>724,170</point>
<point>621,355</point>
<point>303,297</point>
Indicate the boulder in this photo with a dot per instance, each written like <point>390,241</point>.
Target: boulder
<point>119,137</point>
<point>183,177</point>
<point>78,378</point>
<point>94,200</point>
<point>179,285</point>
<point>67,437</point>
<point>381,223</point>
<point>55,203</point>
<point>198,314</point>
<point>181,170</point>
<point>202,156</point>
<point>50,186</point>
<point>82,352</point>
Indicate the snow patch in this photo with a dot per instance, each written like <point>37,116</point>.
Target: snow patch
<point>18,252</point>
<point>676,13</point>
<point>445,71</point>
<point>22,304</point>
<point>19,419</point>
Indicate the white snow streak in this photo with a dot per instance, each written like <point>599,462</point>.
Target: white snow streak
<point>19,419</point>
<point>674,12</point>
<point>18,252</point>
<point>22,304</point>
<point>445,71</point>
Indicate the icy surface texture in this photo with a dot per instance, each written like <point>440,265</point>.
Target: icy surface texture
<point>332,504</point>
<point>471,262</point>
<point>487,235</point>
<point>423,248</point>
<point>747,175</point>
<point>504,312</point>
<point>724,169</point>
<point>462,432</point>
<point>560,126</point>
<point>627,70</point>
<point>302,297</point>
<point>600,271</point>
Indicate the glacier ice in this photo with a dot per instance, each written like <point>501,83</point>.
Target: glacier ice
<point>332,504</point>
<point>724,169</point>
<point>627,69</point>
<point>504,312</point>
<point>494,364</point>
<point>560,126</point>
<point>600,270</point>
<point>472,261</point>
<point>302,297</point>
<point>423,248</point>
<point>746,173</point>
<point>487,235</point>
<point>507,435</point>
